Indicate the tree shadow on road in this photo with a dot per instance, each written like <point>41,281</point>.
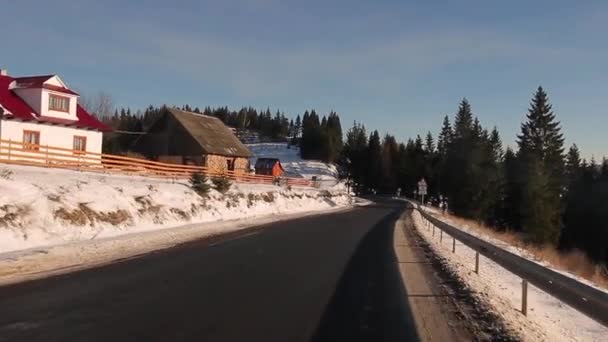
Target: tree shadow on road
<point>370,302</point>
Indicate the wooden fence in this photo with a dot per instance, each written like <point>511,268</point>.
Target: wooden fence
<point>16,152</point>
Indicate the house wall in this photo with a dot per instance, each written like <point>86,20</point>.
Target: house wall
<point>38,100</point>
<point>45,105</point>
<point>55,136</point>
<point>276,170</point>
<point>241,165</point>
<point>218,163</point>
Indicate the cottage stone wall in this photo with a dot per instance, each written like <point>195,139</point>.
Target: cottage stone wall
<point>241,165</point>
<point>218,163</point>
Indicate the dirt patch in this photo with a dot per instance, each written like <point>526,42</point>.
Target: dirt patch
<point>84,215</point>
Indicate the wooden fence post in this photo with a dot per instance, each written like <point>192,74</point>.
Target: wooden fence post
<point>476,262</point>
<point>524,297</point>
<point>433,230</point>
<point>10,146</point>
<point>440,235</point>
<point>453,244</point>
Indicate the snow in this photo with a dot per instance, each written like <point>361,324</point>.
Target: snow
<point>291,161</point>
<point>44,207</point>
<point>548,318</point>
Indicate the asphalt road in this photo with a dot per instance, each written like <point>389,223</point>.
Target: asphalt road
<point>321,278</point>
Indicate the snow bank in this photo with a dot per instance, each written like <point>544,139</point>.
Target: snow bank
<point>510,248</point>
<point>40,207</point>
<point>548,318</point>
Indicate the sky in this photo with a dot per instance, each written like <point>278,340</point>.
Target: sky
<point>396,66</point>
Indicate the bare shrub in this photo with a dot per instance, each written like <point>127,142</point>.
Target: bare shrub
<point>268,197</point>
<point>6,174</point>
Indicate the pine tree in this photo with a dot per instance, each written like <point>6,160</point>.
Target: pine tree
<point>355,156</point>
<point>444,140</point>
<point>458,178</point>
<point>496,145</point>
<point>573,163</point>
<point>445,137</point>
<point>198,183</point>
<point>374,152</point>
<point>429,144</point>
<point>389,156</point>
<point>541,154</point>
<point>511,205</point>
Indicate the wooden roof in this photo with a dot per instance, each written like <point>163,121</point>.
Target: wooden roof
<point>211,134</point>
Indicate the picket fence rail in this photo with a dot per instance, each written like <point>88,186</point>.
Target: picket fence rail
<point>20,153</point>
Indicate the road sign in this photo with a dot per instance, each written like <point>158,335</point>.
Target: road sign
<point>422,187</point>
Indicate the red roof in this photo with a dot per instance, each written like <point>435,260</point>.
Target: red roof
<point>19,109</point>
<point>37,82</point>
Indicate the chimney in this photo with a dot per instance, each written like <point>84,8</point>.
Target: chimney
<point>3,72</point>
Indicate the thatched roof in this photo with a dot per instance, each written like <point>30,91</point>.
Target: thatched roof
<point>211,134</point>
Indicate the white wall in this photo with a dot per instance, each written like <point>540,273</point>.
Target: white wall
<point>55,136</point>
<point>38,99</point>
<point>45,105</point>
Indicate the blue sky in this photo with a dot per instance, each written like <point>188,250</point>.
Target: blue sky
<point>396,66</point>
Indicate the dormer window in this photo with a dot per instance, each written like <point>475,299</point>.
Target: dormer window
<point>59,103</point>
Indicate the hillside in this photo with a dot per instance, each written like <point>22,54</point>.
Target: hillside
<point>291,161</point>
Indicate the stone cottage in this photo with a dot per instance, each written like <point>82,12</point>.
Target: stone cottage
<point>181,137</point>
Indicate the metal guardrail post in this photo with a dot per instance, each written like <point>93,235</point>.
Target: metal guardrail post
<point>524,297</point>
<point>477,262</point>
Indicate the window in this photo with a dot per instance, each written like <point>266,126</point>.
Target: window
<point>59,103</point>
<point>80,144</point>
<point>31,140</point>
<point>230,164</point>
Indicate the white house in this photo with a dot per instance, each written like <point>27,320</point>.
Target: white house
<point>42,110</point>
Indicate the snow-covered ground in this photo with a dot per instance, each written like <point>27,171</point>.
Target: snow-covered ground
<point>291,161</point>
<point>548,318</point>
<point>42,207</point>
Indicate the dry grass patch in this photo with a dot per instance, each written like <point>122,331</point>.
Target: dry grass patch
<point>83,215</point>
<point>575,262</point>
<point>10,214</point>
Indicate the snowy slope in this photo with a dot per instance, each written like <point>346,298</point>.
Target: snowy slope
<point>291,161</point>
<point>40,206</point>
<point>548,318</point>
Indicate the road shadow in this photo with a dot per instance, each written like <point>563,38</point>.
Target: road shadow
<point>370,301</point>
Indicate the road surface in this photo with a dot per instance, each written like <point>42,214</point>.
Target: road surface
<point>330,277</point>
